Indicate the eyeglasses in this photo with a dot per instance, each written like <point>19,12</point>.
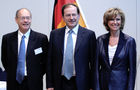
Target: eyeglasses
<point>69,15</point>
<point>23,18</point>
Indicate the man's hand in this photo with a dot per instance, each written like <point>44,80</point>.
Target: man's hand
<point>50,89</point>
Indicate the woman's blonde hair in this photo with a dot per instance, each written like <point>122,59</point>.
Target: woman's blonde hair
<point>111,13</point>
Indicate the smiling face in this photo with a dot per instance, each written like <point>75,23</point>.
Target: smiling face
<point>23,19</point>
<point>114,19</point>
<point>71,16</point>
<point>115,23</point>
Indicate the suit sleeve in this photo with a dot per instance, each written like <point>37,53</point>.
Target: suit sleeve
<point>92,57</point>
<point>4,52</point>
<point>132,64</point>
<point>96,67</point>
<point>49,64</point>
<point>45,51</point>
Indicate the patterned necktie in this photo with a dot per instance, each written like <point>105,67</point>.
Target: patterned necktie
<point>21,62</point>
<point>68,66</point>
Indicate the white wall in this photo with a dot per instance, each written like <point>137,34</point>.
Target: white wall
<point>93,11</point>
<point>138,45</point>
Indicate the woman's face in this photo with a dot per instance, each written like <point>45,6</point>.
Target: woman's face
<point>115,23</point>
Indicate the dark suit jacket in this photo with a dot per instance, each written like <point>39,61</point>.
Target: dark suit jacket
<point>35,63</point>
<point>120,75</point>
<point>2,75</point>
<point>84,54</point>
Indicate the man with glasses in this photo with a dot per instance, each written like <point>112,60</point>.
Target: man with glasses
<point>24,55</point>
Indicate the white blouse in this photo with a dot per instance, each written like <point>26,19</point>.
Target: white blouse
<point>112,50</point>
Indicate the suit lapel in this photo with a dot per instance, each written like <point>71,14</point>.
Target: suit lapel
<point>60,39</point>
<point>119,48</point>
<point>14,43</point>
<point>106,43</point>
<point>31,42</point>
<point>79,38</point>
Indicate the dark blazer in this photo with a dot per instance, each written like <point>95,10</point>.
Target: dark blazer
<point>35,63</point>
<point>120,75</point>
<point>84,56</point>
<point>2,75</point>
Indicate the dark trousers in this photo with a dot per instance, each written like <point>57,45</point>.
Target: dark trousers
<point>23,85</point>
<point>69,84</point>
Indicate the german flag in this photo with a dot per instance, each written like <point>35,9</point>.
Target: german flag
<point>57,16</point>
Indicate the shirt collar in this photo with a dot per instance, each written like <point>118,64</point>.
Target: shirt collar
<point>75,29</point>
<point>26,34</point>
